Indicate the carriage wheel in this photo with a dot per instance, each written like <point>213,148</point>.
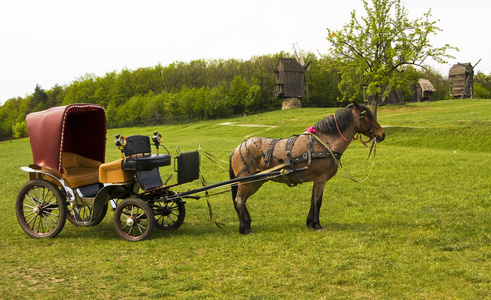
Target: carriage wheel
<point>134,220</point>
<point>169,215</point>
<point>85,212</point>
<point>41,209</point>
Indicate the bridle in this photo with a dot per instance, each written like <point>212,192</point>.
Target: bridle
<point>358,136</point>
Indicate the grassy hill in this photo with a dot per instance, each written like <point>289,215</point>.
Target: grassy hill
<point>420,227</point>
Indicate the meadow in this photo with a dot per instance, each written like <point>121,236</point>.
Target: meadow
<point>418,228</point>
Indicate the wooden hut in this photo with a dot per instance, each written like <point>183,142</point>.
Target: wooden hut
<point>462,78</point>
<point>423,90</point>
<point>290,82</point>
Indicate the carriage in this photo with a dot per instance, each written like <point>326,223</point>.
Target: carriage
<point>70,179</point>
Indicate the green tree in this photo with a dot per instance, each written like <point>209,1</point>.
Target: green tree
<point>218,105</point>
<point>372,52</point>
<point>237,94</point>
<point>12,112</point>
<point>39,100</point>
<point>323,79</point>
<point>82,90</point>
<point>482,86</point>
<point>55,96</point>
<point>20,130</point>
<point>252,102</point>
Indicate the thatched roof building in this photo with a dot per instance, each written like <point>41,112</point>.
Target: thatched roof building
<point>462,77</point>
<point>423,90</point>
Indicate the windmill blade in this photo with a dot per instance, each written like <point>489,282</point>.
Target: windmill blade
<point>477,63</point>
<point>296,52</point>
<point>307,66</point>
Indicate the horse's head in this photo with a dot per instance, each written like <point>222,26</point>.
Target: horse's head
<point>367,123</point>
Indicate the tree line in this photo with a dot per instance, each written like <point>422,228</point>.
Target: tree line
<point>189,91</point>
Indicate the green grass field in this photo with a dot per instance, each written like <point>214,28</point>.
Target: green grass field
<point>419,228</point>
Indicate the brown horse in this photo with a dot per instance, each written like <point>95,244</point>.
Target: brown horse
<point>305,157</point>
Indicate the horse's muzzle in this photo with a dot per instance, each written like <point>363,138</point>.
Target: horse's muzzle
<point>380,138</point>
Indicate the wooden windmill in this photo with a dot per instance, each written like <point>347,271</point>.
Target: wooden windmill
<point>290,80</point>
<point>462,77</point>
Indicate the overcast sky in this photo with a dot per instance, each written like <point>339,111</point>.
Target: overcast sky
<point>56,41</point>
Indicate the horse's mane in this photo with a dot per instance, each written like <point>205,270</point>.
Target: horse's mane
<point>344,118</point>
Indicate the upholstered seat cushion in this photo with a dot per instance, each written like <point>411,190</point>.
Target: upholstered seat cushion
<point>79,170</point>
<point>146,162</point>
<point>111,172</point>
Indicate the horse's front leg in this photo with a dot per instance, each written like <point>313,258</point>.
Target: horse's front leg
<point>315,206</point>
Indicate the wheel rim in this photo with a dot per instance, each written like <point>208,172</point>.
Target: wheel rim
<point>133,221</point>
<point>40,210</point>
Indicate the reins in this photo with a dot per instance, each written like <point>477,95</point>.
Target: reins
<point>338,163</point>
<point>336,121</point>
<point>358,137</point>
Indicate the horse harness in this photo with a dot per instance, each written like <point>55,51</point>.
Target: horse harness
<point>290,161</point>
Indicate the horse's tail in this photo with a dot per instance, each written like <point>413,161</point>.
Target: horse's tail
<point>232,176</point>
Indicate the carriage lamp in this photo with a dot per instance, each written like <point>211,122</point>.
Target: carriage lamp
<point>120,142</point>
<point>157,138</point>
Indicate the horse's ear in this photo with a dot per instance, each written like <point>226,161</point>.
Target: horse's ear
<point>357,106</point>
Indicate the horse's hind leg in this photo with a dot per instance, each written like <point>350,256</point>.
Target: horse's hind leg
<point>243,193</point>
<point>315,205</point>
<point>244,217</point>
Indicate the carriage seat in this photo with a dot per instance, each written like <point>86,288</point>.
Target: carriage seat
<point>146,162</point>
<point>111,172</point>
<point>79,170</point>
<point>137,155</point>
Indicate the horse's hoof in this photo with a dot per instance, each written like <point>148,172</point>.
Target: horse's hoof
<point>319,229</point>
<point>245,232</point>
<point>310,225</point>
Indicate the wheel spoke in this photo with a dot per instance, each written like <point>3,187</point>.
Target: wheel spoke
<point>43,194</point>
<point>140,227</point>
<point>50,216</point>
<point>28,215</point>
<point>33,218</point>
<point>48,224</point>
<point>170,220</point>
<point>40,225</point>
<point>31,207</point>
<point>32,199</point>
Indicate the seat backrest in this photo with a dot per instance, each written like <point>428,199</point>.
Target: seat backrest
<point>70,160</point>
<point>137,144</point>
